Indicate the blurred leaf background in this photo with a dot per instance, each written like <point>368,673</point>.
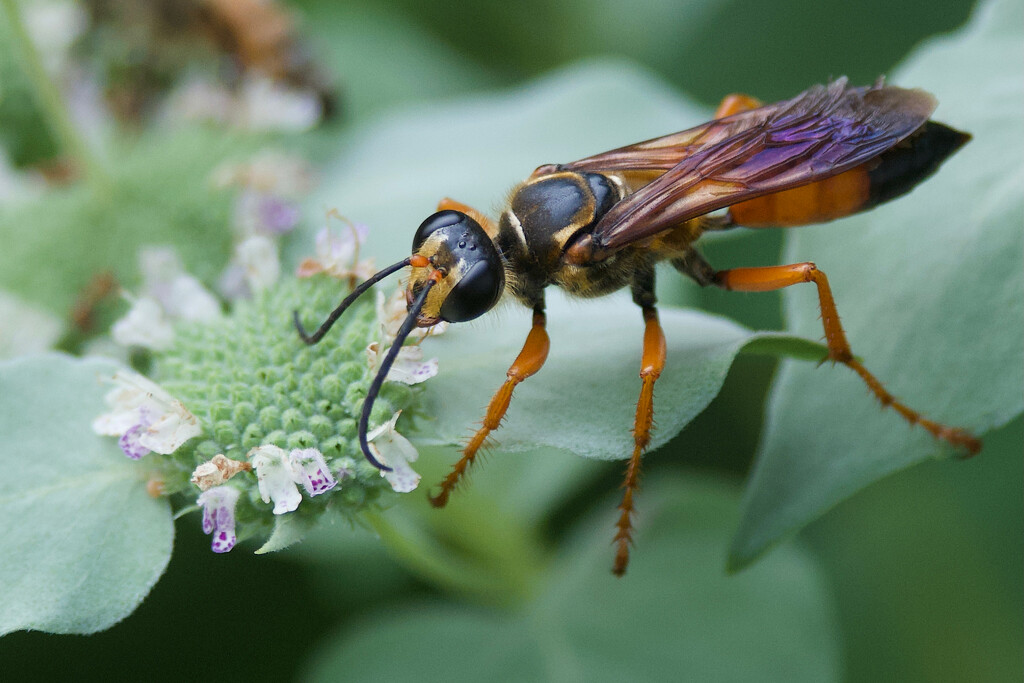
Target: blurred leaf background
<point>918,578</point>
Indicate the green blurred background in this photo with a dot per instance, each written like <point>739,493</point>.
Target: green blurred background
<point>924,568</point>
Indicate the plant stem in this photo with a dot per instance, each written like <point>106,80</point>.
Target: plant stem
<point>48,96</point>
<point>441,566</point>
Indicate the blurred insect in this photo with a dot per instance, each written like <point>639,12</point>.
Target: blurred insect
<point>602,223</point>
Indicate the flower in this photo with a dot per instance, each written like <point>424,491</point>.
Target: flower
<point>311,469</point>
<point>146,417</point>
<point>394,450</point>
<point>276,478</point>
<point>144,325</point>
<point>219,516</point>
<point>260,104</point>
<point>258,259</point>
<point>169,294</point>
<point>409,366</point>
<point>391,313</point>
<point>180,295</point>
<point>337,254</point>
<point>269,105</point>
<point>217,470</point>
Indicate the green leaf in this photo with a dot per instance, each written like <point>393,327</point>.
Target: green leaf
<point>584,399</point>
<point>674,616</point>
<point>81,542</point>
<point>415,66</point>
<point>26,328</point>
<point>161,194</point>
<point>474,149</point>
<point>928,288</point>
<point>288,530</point>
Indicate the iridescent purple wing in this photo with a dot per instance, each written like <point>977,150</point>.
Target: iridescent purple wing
<point>820,133</point>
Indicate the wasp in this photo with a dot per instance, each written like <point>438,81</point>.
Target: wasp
<point>602,223</point>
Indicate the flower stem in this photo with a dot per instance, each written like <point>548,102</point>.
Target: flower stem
<point>48,96</point>
<point>440,565</point>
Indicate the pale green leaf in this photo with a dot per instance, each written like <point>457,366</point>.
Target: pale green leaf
<point>81,542</point>
<point>475,148</point>
<point>584,399</point>
<point>931,292</point>
<point>25,328</point>
<point>675,616</point>
<point>288,530</point>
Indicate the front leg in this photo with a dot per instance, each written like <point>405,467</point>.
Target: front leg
<point>529,361</point>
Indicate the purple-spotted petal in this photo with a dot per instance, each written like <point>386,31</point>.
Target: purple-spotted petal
<point>219,516</point>
<point>312,471</point>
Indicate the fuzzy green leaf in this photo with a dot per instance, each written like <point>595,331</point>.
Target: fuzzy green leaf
<point>81,542</point>
<point>584,399</point>
<point>674,615</point>
<point>474,149</point>
<point>929,289</point>
<point>161,194</point>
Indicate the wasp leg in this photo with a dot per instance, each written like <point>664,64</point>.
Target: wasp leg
<point>449,204</point>
<point>736,103</point>
<point>528,362</point>
<point>653,361</point>
<point>776,277</point>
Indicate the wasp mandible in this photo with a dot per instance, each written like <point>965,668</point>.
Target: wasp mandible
<point>601,223</point>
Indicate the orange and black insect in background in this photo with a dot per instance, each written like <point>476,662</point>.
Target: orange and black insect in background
<point>602,223</point>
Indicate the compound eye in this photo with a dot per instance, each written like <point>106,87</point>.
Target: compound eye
<point>476,293</point>
<point>435,222</point>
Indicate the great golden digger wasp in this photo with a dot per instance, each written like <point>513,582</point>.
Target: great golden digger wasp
<point>601,223</point>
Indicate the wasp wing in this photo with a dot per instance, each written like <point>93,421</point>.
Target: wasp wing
<point>820,133</point>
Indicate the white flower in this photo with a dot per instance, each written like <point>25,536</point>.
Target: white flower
<point>217,470</point>
<point>392,312</point>
<point>146,417</point>
<point>394,450</point>
<point>219,516</point>
<point>268,105</point>
<point>144,325</point>
<point>260,104</point>
<point>276,478</point>
<point>258,258</point>
<point>409,366</point>
<point>337,254</point>
<point>181,296</point>
<point>269,172</point>
<point>54,27</point>
<point>311,470</point>
<point>169,294</point>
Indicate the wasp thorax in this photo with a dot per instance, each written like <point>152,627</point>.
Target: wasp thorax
<point>472,272</point>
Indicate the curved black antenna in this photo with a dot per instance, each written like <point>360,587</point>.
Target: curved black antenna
<point>382,373</point>
<point>336,313</point>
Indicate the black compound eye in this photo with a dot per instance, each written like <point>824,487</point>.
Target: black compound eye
<point>435,222</point>
<point>476,293</point>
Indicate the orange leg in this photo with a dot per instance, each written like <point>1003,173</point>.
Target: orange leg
<point>735,104</point>
<point>449,204</point>
<point>650,369</point>
<point>529,361</point>
<point>777,277</point>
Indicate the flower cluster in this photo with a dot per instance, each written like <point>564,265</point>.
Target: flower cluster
<point>261,425</point>
<point>269,188</point>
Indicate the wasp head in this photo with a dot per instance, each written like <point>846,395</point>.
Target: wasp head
<point>472,275</point>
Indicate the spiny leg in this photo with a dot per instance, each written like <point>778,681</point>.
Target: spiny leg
<point>776,277</point>
<point>653,361</point>
<point>528,362</point>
